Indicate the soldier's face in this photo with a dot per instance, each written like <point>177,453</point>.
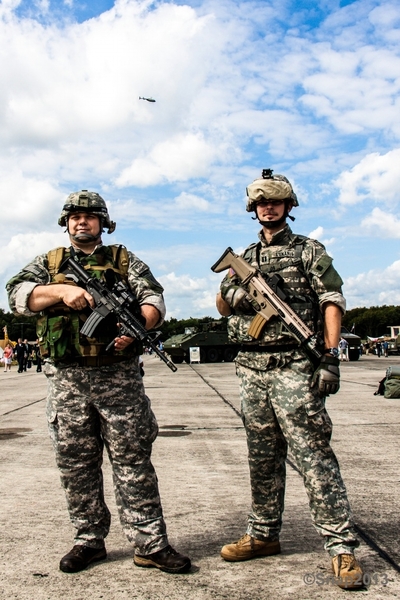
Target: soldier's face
<point>270,210</point>
<point>84,224</point>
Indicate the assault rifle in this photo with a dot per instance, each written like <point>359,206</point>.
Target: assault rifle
<point>117,301</point>
<point>268,299</point>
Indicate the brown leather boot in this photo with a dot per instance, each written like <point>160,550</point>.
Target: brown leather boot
<point>248,547</point>
<point>348,573</point>
<point>167,559</point>
<point>80,557</point>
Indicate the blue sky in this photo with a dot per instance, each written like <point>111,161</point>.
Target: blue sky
<point>309,89</point>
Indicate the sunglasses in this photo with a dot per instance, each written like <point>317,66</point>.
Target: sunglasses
<point>265,202</point>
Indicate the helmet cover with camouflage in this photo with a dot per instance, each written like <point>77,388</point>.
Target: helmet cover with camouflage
<point>270,187</point>
<point>90,202</point>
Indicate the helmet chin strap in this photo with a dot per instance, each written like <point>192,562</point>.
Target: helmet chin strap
<point>273,224</point>
<point>85,238</point>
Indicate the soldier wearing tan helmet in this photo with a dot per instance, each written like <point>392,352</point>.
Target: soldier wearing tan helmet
<point>282,395</point>
<point>97,398</point>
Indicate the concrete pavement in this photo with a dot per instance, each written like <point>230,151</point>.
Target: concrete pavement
<point>200,458</point>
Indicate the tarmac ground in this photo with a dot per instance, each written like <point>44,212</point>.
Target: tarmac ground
<point>200,457</point>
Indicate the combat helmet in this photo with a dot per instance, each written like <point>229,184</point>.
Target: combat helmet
<point>85,201</point>
<point>270,186</point>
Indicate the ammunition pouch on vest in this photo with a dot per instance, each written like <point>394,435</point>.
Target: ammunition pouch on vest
<point>58,329</point>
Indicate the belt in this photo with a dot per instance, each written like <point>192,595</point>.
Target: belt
<point>282,348</point>
<point>95,361</point>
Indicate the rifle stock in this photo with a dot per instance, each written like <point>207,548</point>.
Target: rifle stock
<point>270,302</point>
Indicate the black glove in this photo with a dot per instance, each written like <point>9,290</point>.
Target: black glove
<point>327,376</point>
<point>237,298</point>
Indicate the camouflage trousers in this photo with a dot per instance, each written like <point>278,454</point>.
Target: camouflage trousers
<point>281,411</point>
<point>88,408</point>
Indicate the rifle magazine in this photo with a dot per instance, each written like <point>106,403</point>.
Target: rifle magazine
<point>256,327</point>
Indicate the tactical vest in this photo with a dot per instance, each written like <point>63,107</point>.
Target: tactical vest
<point>58,329</point>
<point>287,262</point>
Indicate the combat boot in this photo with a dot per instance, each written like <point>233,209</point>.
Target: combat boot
<point>167,559</point>
<point>348,573</point>
<point>248,547</point>
<point>80,557</point>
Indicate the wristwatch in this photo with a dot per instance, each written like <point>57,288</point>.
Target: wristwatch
<point>332,351</point>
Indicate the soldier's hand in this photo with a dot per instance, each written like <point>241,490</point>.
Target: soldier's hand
<point>327,376</point>
<point>122,342</point>
<point>75,297</point>
<point>237,298</point>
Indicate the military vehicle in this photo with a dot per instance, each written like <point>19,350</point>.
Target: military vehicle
<point>211,338</point>
<point>393,344</point>
<point>354,342</point>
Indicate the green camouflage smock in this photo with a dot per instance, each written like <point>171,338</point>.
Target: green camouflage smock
<point>89,407</point>
<point>280,409</point>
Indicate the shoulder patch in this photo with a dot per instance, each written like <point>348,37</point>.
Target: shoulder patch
<point>321,265</point>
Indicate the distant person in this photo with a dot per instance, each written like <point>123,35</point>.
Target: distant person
<point>20,352</point>
<point>37,356</point>
<point>97,400</point>
<point>7,357</point>
<point>27,355</point>
<point>385,347</point>
<point>378,349</point>
<point>282,393</point>
<point>343,349</point>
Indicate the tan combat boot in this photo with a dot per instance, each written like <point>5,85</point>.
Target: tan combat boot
<point>248,547</point>
<point>348,573</point>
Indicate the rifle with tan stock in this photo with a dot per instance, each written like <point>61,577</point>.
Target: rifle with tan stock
<point>268,299</point>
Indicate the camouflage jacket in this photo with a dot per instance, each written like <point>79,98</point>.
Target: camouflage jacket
<point>63,323</point>
<point>309,279</point>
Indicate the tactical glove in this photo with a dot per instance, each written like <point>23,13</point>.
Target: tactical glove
<point>327,376</point>
<point>237,298</point>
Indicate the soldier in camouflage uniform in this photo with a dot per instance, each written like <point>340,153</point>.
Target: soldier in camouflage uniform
<point>282,395</point>
<point>98,399</point>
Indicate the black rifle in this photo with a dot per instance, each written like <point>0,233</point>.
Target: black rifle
<point>117,301</point>
<point>270,301</point>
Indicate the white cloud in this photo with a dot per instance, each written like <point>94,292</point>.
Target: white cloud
<point>186,294</point>
<point>380,223</point>
<point>27,200</point>
<point>22,248</point>
<point>318,234</point>
<point>180,158</point>
<point>374,288</point>
<point>376,177</point>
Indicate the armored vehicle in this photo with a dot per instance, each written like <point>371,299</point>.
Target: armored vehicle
<point>211,338</point>
<point>354,342</point>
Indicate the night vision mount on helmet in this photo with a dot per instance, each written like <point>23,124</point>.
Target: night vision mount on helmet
<point>90,202</point>
<point>270,187</point>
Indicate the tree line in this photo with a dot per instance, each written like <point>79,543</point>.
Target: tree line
<point>374,322</point>
<point>17,327</point>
